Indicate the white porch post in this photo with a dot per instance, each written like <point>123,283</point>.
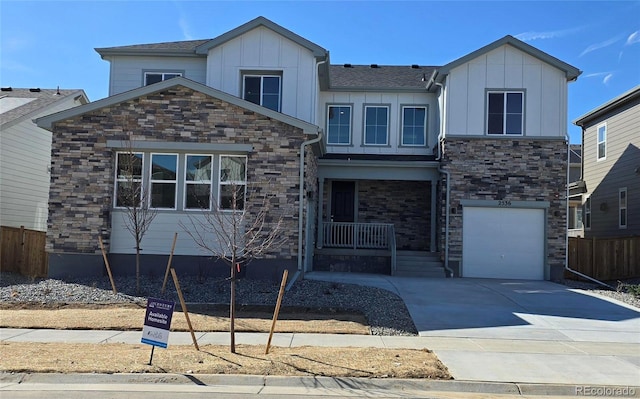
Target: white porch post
<point>432,244</point>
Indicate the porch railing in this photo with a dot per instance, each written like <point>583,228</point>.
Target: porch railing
<point>360,236</point>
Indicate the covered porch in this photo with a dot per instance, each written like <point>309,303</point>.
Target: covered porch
<point>369,209</point>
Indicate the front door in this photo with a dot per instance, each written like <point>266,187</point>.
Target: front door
<point>342,201</point>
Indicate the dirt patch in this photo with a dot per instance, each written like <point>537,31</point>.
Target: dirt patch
<point>205,318</point>
<point>123,358</point>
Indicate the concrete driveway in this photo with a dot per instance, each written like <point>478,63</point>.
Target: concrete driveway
<point>518,330</point>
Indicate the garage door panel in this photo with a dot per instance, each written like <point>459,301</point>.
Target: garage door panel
<point>503,243</point>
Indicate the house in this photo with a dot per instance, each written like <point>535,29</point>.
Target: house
<point>25,153</point>
<point>458,169</point>
<point>611,167</point>
<point>576,188</point>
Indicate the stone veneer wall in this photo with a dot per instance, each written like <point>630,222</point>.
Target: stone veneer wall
<point>82,175</point>
<point>406,204</point>
<point>507,169</point>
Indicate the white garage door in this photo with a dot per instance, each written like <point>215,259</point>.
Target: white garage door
<point>503,243</point>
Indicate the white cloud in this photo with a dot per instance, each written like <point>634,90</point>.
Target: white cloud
<point>186,29</point>
<point>633,38</point>
<point>607,78</point>
<point>598,46</point>
<point>532,35</point>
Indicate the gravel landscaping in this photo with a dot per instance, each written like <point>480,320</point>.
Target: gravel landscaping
<point>385,311</point>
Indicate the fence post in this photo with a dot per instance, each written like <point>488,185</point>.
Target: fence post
<point>21,255</point>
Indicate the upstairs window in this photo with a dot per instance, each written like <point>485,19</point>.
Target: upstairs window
<point>602,141</point>
<point>163,180</point>
<point>376,125</point>
<point>155,77</point>
<point>339,124</point>
<point>587,213</point>
<point>622,208</point>
<point>505,112</point>
<point>233,182</point>
<point>128,187</point>
<point>263,90</point>
<point>414,126</point>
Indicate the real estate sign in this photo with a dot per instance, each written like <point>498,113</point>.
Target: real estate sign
<point>157,322</point>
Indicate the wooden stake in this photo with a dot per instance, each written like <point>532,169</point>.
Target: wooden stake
<point>184,308</point>
<point>106,263</point>
<point>166,273</point>
<point>277,309</point>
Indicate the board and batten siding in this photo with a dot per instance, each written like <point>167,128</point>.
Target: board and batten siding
<point>262,51</point>
<point>395,102</point>
<point>127,72</point>
<point>605,177</point>
<point>25,158</point>
<point>506,68</point>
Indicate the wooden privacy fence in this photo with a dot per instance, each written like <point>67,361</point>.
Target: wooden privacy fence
<point>22,251</point>
<point>605,258</point>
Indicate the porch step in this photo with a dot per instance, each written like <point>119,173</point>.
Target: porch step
<point>419,264</point>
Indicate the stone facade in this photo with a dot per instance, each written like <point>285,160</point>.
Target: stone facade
<point>519,169</point>
<point>82,176</point>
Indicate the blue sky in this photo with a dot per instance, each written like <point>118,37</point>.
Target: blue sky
<point>51,43</point>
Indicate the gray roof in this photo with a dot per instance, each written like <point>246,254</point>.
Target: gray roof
<point>575,153</point>
<point>181,48</point>
<point>379,77</point>
<point>610,105</point>
<point>42,99</point>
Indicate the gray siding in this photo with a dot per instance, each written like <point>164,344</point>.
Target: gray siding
<point>604,178</point>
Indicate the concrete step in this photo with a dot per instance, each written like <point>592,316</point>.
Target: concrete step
<point>427,273</point>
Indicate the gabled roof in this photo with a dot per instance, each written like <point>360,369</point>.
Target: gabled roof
<point>182,49</point>
<point>48,121</point>
<point>571,72</point>
<point>23,104</point>
<point>379,77</point>
<point>575,153</point>
<point>317,51</point>
<point>622,99</point>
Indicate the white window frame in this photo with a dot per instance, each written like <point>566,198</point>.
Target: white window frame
<point>364,125</point>
<point>222,183</point>
<point>586,221</point>
<point>262,76</point>
<point>158,181</point>
<point>186,182</point>
<point>350,107</point>
<point>125,179</point>
<point>162,74</point>
<point>623,206</point>
<point>505,94</point>
<point>424,126</point>
<point>602,142</point>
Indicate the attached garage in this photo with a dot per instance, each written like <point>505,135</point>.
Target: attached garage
<point>503,241</point>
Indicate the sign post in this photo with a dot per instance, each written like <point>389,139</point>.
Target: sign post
<point>157,323</point>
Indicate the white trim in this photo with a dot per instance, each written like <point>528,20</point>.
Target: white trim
<point>364,125</point>
<point>621,207</point>
<point>186,182</point>
<point>598,142</point>
<point>152,180</point>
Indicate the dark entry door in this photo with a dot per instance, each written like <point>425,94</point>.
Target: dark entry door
<point>342,201</point>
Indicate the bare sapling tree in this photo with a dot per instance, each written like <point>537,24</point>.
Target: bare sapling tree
<point>134,196</point>
<point>237,235</point>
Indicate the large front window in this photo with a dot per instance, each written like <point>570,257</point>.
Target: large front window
<point>414,126</point>
<point>339,124</point>
<point>233,182</point>
<point>505,112</point>
<point>164,168</point>
<point>376,125</point>
<point>263,90</point>
<point>128,187</point>
<point>198,172</point>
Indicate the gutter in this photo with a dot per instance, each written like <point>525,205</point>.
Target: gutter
<point>301,209</point>
<point>566,228</point>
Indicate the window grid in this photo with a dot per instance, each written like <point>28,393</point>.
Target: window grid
<point>376,125</point>
<point>622,208</point>
<point>339,124</point>
<point>163,178</point>
<point>128,173</point>
<point>232,182</point>
<point>587,213</point>
<point>602,142</point>
<point>155,77</point>
<point>264,90</point>
<point>414,126</point>
<point>197,181</point>
<point>505,112</point>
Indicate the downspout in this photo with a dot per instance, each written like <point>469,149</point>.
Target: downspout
<point>566,237</point>
<point>317,89</point>
<point>449,271</point>
<point>301,208</point>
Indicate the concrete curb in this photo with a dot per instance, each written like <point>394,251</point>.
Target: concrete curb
<point>391,384</point>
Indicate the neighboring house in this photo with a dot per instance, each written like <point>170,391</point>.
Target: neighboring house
<point>576,188</point>
<point>611,167</point>
<point>386,169</point>
<point>25,153</point>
